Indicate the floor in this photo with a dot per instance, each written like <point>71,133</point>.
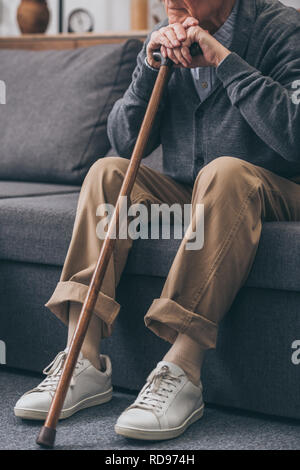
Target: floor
<point>94,428</point>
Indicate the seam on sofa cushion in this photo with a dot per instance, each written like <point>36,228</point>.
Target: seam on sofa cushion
<point>39,195</point>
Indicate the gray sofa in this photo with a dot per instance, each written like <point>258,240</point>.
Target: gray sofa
<point>252,367</point>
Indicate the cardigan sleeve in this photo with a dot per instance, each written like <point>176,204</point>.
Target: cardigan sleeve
<point>269,102</point>
<point>128,113</point>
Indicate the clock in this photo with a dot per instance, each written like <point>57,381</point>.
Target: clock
<point>80,21</point>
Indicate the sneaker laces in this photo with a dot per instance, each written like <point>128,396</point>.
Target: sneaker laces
<point>156,392</point>
<point>53,372</point>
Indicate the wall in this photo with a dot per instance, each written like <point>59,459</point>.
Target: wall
<point>110,15</point>
<point>292,3</point>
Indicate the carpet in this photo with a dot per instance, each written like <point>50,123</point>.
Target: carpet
<point>93,429</point>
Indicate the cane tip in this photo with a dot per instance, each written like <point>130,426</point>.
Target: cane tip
<point>46,437</point>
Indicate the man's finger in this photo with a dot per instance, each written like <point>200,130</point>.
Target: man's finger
<point>170,34</point>
<point>185,51</point>
<point>155,41</point>
<point>190,21</point>
<point>172,56</point>
<point>193,35</point>
<point>164,40</point>
<point>164,52</point>
<point>180,58</point>
<point>179,31</point>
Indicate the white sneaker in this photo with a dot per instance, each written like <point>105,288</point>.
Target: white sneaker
<point>89,387</point>
<point>167,405</point>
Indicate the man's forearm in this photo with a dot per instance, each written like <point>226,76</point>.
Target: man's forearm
<point>127,115</point>
<point>265,104</point>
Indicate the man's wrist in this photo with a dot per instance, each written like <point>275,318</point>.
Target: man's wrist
<point>221,56</point>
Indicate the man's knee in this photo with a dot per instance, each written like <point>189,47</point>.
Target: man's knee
<point>226,171</point>
<point>108,170</point>
<point>226,179</point>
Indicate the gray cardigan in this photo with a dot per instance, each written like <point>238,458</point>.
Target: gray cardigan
<point>249,115</point>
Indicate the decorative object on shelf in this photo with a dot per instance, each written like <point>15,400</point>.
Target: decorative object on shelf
<point>139,14</point>
<point>80,21</point>
<point>157,12</point>
<point>33,16</point>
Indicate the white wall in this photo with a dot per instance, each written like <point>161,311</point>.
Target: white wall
<point>292,3</point>
<point>110,15</point>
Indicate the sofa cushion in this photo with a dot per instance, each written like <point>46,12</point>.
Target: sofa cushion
<point>12,189</point>
<point>253,356</point>
<point>38,230</point>
<point>53,126</point>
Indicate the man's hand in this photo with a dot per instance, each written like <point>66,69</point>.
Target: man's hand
<point>213,51</point>
<point>169,40</point>
<point>175,40</point>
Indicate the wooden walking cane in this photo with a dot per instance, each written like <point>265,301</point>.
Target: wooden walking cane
<point>46,437</point>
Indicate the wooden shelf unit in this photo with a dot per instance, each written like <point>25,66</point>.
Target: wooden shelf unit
<point>67,41</point>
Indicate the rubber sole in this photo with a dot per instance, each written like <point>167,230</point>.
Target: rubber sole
<point>38,415</point>
<point>161,435</point>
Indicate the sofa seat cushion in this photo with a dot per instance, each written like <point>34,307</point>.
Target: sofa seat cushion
<point>12,189</point>
<point>54,124</point>
<point>38,230</point>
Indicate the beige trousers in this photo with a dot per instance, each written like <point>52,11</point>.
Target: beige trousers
<point>201,285</point>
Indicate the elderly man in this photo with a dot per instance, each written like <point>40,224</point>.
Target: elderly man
<point>229,126</point>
